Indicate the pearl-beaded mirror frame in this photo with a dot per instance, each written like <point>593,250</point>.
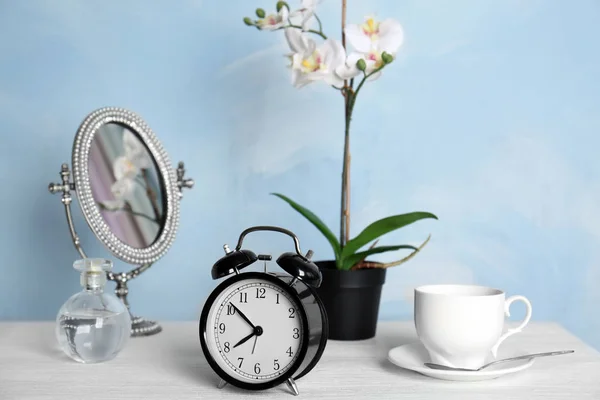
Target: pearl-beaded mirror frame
<point>80,157</point>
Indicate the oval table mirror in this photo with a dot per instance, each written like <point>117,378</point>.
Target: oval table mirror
<point>128,193</point>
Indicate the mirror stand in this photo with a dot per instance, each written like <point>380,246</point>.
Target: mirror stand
<point>139,325</point>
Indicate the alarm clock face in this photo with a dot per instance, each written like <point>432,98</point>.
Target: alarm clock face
<point>253,330</point>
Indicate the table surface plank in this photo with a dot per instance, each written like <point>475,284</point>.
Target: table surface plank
<point>171,365</point>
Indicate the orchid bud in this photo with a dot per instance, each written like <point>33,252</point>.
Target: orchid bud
<point>248,21</point>
<point>281,4</point>
<point>361,65</point>
<point>387,58</point>
<point>260,13</point>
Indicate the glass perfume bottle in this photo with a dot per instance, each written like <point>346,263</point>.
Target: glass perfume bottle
<point>93,326</point>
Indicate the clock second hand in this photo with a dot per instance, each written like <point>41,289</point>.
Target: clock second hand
<point>253,347</point>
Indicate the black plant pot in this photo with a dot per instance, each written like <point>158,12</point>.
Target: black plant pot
<point>351,299</point>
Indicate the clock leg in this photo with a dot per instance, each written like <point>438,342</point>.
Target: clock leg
<point>292,385</point>
<point>221,384</point>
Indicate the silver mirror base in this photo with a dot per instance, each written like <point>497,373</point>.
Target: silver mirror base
<point>143,327</point>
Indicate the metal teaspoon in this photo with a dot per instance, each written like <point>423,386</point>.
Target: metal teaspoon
<point>525,357</point>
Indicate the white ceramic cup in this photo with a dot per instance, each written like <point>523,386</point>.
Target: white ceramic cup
<point>460,325</point>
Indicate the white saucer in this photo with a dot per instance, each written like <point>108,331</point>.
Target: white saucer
<point>412,356</point>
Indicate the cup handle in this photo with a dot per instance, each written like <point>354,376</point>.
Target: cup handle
<point>519,328</point>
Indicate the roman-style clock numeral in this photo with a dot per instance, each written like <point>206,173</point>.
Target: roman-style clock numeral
<point>243,297</point>
<point>289,351</point>
<point>276,365</point>
<point>230,309</point>
<point>292,312</point>
<point>296,333</point>
<point>241,360</point>
<point>221,328</point>
<point>260,293</point>
<point>277,294</point>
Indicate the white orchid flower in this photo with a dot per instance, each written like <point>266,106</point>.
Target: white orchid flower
<point>135,151</point>
<point>305,12</point>
<point>350,70</point>
<point>370,40</point>
<point>274,21</point>
<point>125,170</point>
<point>372,35</point>
<point>121,190</point>
<point>311,63</point>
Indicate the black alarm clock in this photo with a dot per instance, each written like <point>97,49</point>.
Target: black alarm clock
<point>261,329</point>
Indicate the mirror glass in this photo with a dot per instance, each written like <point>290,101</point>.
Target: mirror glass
<point>126,185</point>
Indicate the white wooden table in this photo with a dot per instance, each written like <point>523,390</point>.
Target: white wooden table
<point>171,366</point>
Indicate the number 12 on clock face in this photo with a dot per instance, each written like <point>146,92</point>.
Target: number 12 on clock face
<point>254,330</point>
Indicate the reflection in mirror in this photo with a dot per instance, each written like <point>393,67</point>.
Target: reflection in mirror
<point>126,185</point>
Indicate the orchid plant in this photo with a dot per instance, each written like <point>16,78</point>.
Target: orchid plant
<point>130,171</point>
<point>375,45</point>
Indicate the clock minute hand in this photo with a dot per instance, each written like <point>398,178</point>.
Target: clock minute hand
<point>243,316</point>
<point>244,340</point>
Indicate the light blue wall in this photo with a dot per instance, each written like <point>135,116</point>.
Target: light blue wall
<point>489,118</point>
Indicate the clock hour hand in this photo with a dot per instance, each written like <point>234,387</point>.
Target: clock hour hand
<point>243,316</point>
<point>244,340</point>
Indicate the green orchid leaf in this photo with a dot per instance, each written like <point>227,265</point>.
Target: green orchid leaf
<point>316,221</point>
<point>380,228</point>
<point>353,259</point>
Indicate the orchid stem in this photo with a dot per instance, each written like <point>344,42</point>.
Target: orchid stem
<point>135,213</point>
<point>348,95</point>
<point>362,82</point>
<point>151,195</point>
<point>138,214</point>
<point>319,22</point>
<point>310,30</point>
<point>350,101</point>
